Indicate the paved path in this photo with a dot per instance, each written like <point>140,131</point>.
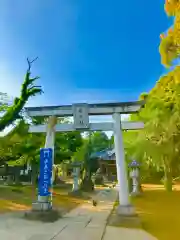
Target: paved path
<point>126,234</point>
<point>83,223</point>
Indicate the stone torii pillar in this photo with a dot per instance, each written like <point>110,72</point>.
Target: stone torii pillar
<point>125,208</point>
<point>49,143</point>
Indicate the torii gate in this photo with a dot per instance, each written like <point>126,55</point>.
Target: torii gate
<point>80,113</point>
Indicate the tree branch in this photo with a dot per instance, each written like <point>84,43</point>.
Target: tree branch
<point>30,63</point>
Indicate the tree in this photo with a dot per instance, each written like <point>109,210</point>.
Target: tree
<point>82,155</point>
<point>28,90</point>
<point>94,142</point>
<point>24,147</point>
<point>99,141</point>
<point>81,152</point>
<point>19,148</point>
<point>66,144</point>
<point>89,165</point>
<point>170,41</point>
<point>158,144</point>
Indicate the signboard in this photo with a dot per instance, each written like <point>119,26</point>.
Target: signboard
<point>81,116</point>
<point>45,175</point>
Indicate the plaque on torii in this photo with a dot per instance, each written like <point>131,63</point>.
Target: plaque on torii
<point>81,116</point>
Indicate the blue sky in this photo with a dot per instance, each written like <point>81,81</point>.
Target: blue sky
<point>89,50</point>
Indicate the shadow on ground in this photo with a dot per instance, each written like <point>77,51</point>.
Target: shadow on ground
<point>20,198</point>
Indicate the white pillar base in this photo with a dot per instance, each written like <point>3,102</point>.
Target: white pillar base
<point>41,206</point>
<point>43,199</point>
<point>128,210</point>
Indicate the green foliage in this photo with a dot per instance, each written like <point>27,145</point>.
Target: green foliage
<point>82,153</point>
<point>66,144</point>
<point>20,146</point>
<point>143,96</point>
<point>28,90</point>
<point>157,146</point>
<point>99,141</point>
<point>170,41</point>
<point>24,147</point>
<point>94,142</point>
<point>168,50</point>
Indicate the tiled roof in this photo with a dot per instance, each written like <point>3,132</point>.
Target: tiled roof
<point>107,154</point>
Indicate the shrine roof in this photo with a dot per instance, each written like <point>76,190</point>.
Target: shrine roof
<point>106,154</point>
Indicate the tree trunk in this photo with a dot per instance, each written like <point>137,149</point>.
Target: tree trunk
<point>56,176</point>
<point>33,174</point>
<point>87,183</point>
<point>140,183</point>
<point>33,177</point>
<point>167,177</point>
<point>17,175</point>
<point>9,180</point>
<point>168,180</point>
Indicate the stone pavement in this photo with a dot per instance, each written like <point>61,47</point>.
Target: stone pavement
<point>83,223</point>
<point>126,234</point>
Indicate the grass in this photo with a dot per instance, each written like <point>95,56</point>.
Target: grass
<point>20,198</point>
<point>160,211</point>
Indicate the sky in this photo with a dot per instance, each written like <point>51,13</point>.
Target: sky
<point>88,50</point>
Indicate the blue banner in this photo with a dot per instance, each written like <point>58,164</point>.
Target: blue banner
<point>45,175</point>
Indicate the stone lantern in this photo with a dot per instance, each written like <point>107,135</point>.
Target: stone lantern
<point>76,175</point>
<point>134,174</point>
